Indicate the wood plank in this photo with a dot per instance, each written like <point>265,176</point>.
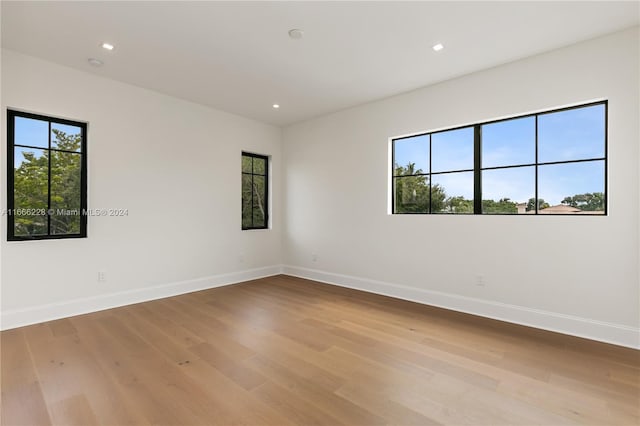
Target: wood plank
<point>292,406</point>
<point>248,378</point>
<point>74,411</point>
<point>22,399</point>
<point>238,405</point>
<point>328,402</point>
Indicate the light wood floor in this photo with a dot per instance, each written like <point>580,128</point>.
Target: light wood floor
<point>284,351</point>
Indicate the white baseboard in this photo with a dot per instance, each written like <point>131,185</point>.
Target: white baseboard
<point>21,317</point>
<point>616,334</point>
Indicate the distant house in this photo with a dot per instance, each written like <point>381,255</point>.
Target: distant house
<point>558,209</point>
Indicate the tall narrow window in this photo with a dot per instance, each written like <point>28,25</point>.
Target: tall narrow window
<point>46,177</point>
<point>255,191</point>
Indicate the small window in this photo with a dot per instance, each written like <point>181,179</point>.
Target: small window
<point>46,177</point>
<point>255,191</point>
<point>552,162</point>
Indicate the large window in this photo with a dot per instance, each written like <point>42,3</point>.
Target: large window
<point>547,163</point>
<point>255,191</point>
<point>46,177</point>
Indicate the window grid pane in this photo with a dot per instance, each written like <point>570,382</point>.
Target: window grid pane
<point>509,142</point>
<point>569,135</point>
<point>411,194</point>
<point>572,188</point>
<point>508,190</point>
<point>452,150</point>
<point>452,193</point>
<point>411,155</point>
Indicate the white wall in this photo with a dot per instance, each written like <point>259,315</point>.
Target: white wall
<point>573,274</point>
<point>173,164</point>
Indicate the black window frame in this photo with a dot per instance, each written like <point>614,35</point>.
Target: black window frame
<point>266,183</point>
<point>11,116</point>
<point>478,169</point>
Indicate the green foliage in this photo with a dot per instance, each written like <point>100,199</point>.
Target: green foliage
<point>503,206</point>
<point>259,166</point>
<point>413,191</point>
<point>531,204</point>
<point>587,202</point>
<point>247,164</point>
<point>31,191</point>
<point>458,204</point>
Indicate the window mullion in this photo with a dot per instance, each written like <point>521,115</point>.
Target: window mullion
<point>253,195</point>
<point>430,177</point>
<point>477,173</point>
<point>49,184</point>
<point>537,203</point>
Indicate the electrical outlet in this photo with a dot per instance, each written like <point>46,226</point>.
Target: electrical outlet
<point>241,258</point>
<point>314,257</point>
<point>480,281</point>
<point>102,276</point>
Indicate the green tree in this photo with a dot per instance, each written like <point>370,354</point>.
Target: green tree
<point>531,204</point>
<point>66,184</point>
<point>459,204</point>
<point>32,191</point>
<point>502,206</point>
<point>413,191</point>
<point>593,201</point>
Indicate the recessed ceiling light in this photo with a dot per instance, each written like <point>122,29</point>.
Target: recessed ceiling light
<point>95,62</point>
<point>296,34</point>
<point>438,47</point>
<point>276,106</point>
<point>107,46</point>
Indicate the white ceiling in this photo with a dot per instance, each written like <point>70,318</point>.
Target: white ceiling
<point>237,56</point>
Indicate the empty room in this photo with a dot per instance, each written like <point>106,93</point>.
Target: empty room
<point>320,213</point>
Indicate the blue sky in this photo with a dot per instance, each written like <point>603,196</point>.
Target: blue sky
<point>34,133</point>
<point>452,150</point>
<point>574,134</point>
<point>31,132</point>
